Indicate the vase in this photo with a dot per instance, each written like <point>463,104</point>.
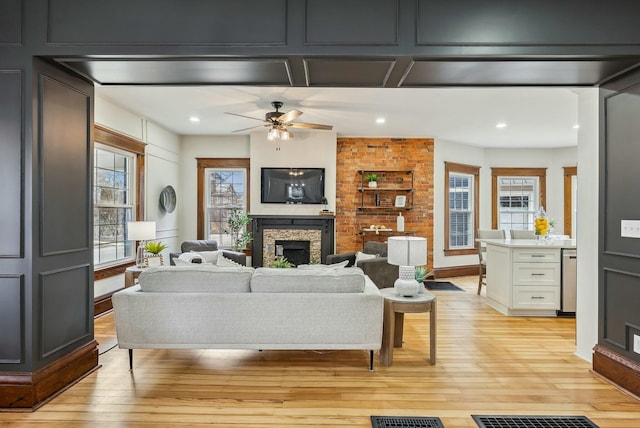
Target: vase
<point>373,184</point>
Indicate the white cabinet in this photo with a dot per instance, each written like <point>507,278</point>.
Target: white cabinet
<point>523,281</point>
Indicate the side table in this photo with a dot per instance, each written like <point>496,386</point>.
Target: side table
<point>395,306</point>
<point>131,274</point>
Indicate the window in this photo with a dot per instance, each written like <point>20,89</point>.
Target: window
<point>461,208</point>
<point>116,196</point>
<point>517,194</point>
<point>222,187</point>
<point>113,204</point>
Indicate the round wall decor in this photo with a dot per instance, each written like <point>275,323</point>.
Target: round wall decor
<point>168,199</point>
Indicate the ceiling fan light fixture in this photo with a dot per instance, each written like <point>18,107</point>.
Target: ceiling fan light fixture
<point>273,134</point>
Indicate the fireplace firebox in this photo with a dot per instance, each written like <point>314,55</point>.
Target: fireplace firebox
<point>297,252</point>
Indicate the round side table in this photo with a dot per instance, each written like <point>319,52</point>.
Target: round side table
<point>395,306</point>
<point>131,274</point>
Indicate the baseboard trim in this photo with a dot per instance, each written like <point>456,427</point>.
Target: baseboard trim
<point>616,368</point>
<point>28,391</point>
<point>450,272</point>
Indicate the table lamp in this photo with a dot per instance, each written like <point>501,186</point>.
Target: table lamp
<point>141,231</point>
<point>407,252</point>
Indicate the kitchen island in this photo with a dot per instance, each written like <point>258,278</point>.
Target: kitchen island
<point>524,275</point>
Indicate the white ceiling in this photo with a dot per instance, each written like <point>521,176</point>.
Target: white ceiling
<point>535,117</point>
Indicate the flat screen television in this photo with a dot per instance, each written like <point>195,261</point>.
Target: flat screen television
<point>292,186</point>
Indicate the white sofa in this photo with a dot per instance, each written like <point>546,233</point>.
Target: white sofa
<point>246,308</point>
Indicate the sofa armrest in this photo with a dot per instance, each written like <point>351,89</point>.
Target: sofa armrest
<point>173,256</point>
<point>337,258</point>
<point>380,271</point>
<point>236,256</point>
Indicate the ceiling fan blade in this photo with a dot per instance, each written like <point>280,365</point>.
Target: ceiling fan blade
<point>289,116</point>
<point>241,115</point>
<point>251,127</point>
<point>309,126</point>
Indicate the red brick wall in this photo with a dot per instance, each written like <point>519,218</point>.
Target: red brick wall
<point>355,154</point>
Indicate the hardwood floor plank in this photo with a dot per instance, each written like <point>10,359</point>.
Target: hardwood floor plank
<point>487,364</point>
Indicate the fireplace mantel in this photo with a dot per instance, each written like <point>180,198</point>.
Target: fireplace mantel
<point>323,223</point>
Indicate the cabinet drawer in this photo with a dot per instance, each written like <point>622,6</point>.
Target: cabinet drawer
<point>536,298</point>
<point>535,255</point>
<point>536,274</point>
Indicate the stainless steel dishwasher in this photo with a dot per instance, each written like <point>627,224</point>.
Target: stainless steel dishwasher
<point>568,283</point>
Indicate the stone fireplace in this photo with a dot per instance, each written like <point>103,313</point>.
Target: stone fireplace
<point>302,239</point>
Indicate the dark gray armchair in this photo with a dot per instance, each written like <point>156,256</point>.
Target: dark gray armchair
<point>207,245</point>
<point>379,270</point>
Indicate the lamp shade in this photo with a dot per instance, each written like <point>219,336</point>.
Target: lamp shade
<point>407,251</point>
<point>141,230</point>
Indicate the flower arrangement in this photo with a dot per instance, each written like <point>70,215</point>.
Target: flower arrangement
<point>541,223</point>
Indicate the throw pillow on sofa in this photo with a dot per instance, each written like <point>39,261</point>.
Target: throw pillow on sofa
<point>223,261</point>
<point>210,257</point>
<point>185,259</point>
<point>363,256</point>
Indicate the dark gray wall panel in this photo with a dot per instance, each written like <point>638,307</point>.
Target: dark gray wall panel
<point>65,307</point>
<point>10,22</point>
<point>622,294</point>
<point>65,167</point>
<point>622,151</point>
<point>351,22</point>
<point>11,318</point>
<point>354,72</point>
<point>551,22</point>
<point>11,164</point>
<point>200,22</point>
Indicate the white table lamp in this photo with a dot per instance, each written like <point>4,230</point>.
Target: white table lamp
<point>407,252</point>
<point>141,231</point>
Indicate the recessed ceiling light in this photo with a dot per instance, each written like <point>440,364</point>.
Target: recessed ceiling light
<point>381,120</point>
<point>194,119</point>
<point>501,125</point>
<point>576,126</point>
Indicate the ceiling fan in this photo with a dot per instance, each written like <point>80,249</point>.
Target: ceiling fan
<point>279,123</point>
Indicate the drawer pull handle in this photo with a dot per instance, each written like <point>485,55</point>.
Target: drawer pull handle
<point>537,297</point>
<point>537,274</point>
<point>538,255</point>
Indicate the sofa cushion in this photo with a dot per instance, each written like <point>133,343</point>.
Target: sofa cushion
<point>196,278</point>
<point>273,280</point>
<point>338,265</point>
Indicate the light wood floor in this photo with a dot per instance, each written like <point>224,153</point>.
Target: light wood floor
<point>487,364</point>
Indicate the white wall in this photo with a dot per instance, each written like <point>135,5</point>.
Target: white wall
<point>587,224</point>
<point>552,159</point>
<point>306,150</point>
<point>203,146</point>
<point>162,166</point>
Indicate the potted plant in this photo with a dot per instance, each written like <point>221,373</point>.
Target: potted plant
<point>238,221</point>
<point>154,248</point>
<point>422,273</point>
<point>372,178</point>
<point>281,262</point>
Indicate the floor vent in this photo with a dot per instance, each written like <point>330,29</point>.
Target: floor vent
<point>405,422</point>
<point>533,422</point>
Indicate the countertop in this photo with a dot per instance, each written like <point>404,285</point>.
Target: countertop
<point>531,243</point>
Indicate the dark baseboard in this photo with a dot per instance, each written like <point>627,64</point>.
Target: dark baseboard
<point>102,305</point>
<point>617,369</point>
<point>28,391</point>
<point>450,272</point>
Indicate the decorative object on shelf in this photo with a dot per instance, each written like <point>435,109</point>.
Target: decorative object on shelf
<point>407,252</point>
<point>168,199</point>
<point>541,223</point>
<point>401,201</point>
<point>141,231</point>
<point>372,178</point>
<point>377,228</point>
<point>238,221</point>
<point>400,223</point>
<point>325,210</point>
<point>281,262</point>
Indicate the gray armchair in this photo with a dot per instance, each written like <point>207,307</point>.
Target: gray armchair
<point>207,245</point>
<point>379,270</point>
